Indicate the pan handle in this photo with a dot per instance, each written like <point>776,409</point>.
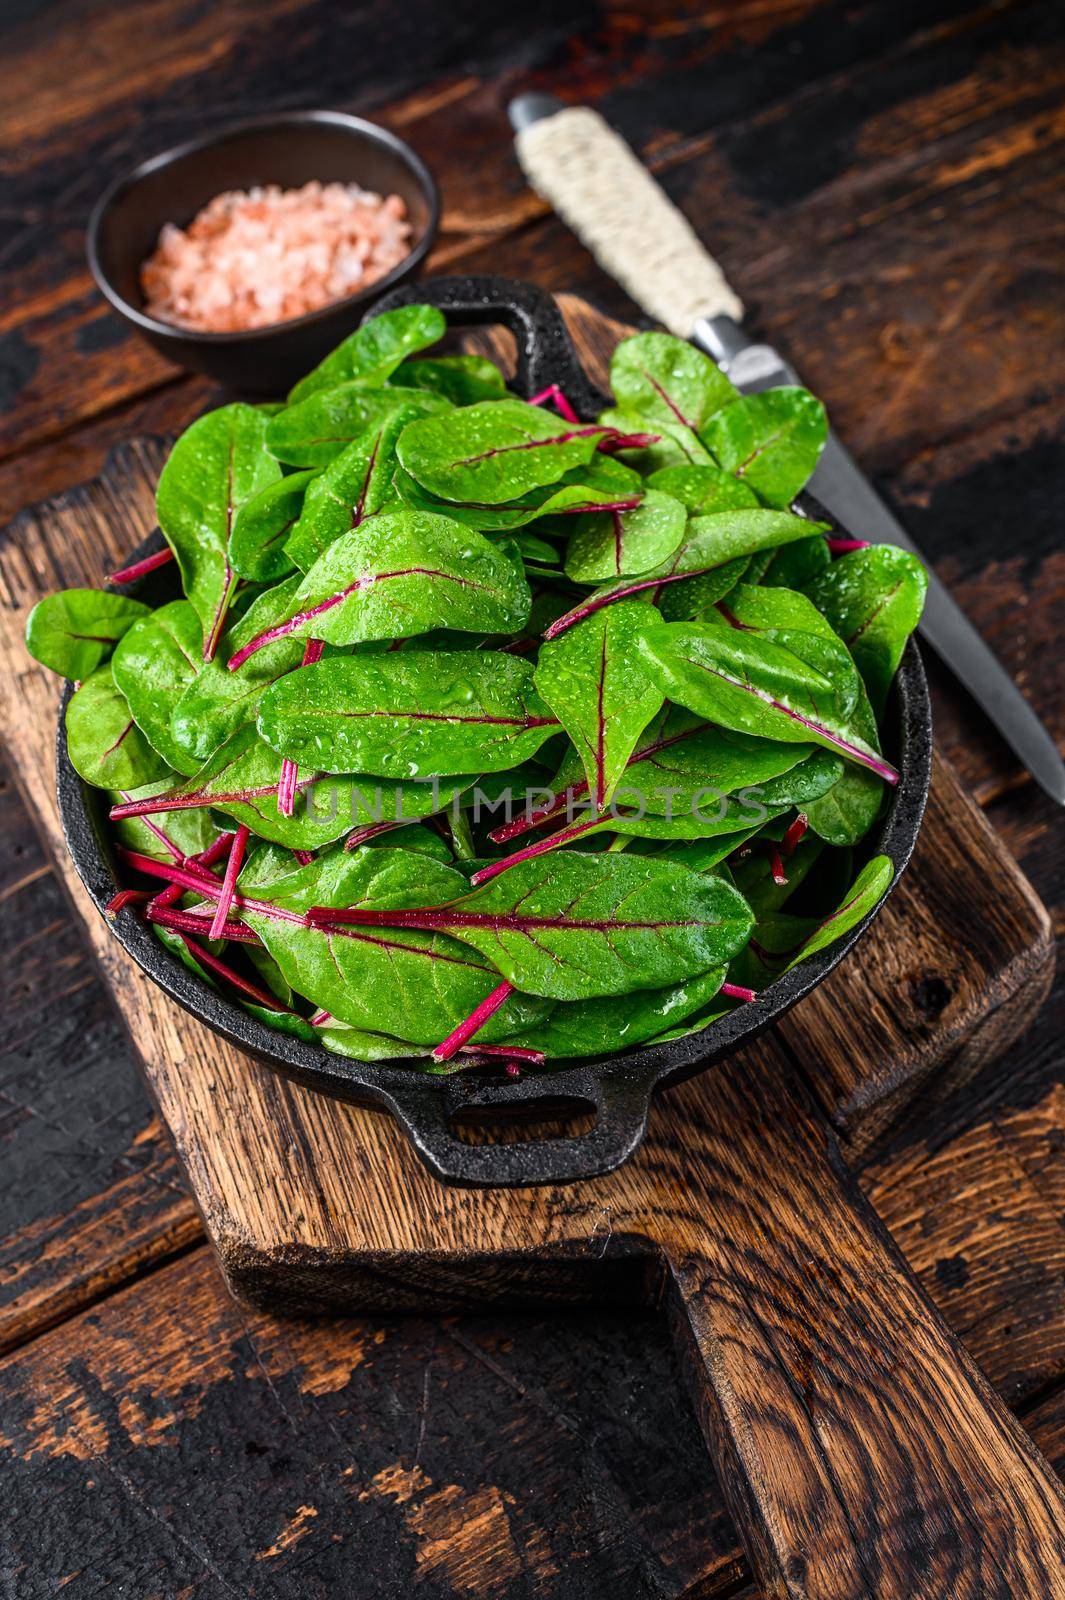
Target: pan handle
<point>620,1101</point>
<point>545,351</point>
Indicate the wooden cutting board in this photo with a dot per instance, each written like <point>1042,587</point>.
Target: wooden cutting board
<point>850,1429</point>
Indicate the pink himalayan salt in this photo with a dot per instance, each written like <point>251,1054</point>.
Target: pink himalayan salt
<point>265,256</point>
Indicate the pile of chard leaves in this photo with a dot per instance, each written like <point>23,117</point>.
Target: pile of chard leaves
<point>407,595</point>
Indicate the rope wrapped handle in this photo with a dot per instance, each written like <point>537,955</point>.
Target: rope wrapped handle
<point>592,179</point>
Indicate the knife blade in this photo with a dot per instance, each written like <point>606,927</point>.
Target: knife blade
<point>586,172</point>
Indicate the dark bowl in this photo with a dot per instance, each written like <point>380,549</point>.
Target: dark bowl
<point>288,149</point>
<point>618,1087</point>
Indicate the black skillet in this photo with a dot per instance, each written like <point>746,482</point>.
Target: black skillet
<point>618,1087</point>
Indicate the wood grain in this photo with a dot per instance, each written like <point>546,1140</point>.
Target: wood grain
<point>385,1234</point>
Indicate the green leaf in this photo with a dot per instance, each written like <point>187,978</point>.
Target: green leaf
<point>678,753</point>
<point>703,491</point>
<point>785,941</point>
<point>464,379</point>
<point>598,1027</point>
<point>167,832</point>
<point>700,810</point>
<point>219,702</point>
<point>74,631</point>
<point>262,525</point>
<point>671,446</point>
<point>795,565</point>
<point>240,780</point>
<point>873,599</point>
<point>153,667</point>
<point>597,684</point>
<point>390,981</point>
<point>104,743</point>
<point>399,574</point>
<point>771,441</point>
<point>781,616</point>
<point>574,927</point>
<point>351,488</point>
<point>614,544</point>
<point>313,432</point>
<point>668,382</point>
<point>409,713</point>
<point>373,352</point>
<point>495,451</point>
<point>750,683</point>
<point>711,544</point>
<point>218,463</point>
<point>602,483</point>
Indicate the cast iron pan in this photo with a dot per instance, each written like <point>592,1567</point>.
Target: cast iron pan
<point>618,1087</point>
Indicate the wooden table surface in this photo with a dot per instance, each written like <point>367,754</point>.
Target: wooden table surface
<point>879,179</point>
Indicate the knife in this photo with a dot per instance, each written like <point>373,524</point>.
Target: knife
<point>593,180</point>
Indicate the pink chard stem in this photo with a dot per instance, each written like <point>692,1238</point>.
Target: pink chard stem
<point>734,992</point>
<point>553,842</point>
<point>842,547</point>
<point>473,1023</point>
<point>286,784</point>
<point>252,990</point>
<point>190,922</point>
<point>229,882</point>
<point>562,405</point>
<point>140,569</point>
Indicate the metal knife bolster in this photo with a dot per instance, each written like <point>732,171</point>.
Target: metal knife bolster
<point>750,366</point>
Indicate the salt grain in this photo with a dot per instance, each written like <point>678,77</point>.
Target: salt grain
<point>271,254</point>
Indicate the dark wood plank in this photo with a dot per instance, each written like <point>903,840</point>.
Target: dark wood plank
<point>92,1191</point>
<point>905,97</point>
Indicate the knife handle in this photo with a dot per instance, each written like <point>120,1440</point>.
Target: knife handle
<point>588,174</point>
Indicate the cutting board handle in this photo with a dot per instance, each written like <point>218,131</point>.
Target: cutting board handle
<point>861,1451</point>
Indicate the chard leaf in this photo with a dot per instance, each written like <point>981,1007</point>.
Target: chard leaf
<point>796,565</point>
<point>104,743</point>
<point>575,927</point>
<point>240,780</point>
<point>590,489</point>
<point>873,599</point>
<point>356,1044</point>
<point>703,491</point>
<point>782,941</point>
<point>219,702</point>
<point>217,464</point>
<point>74,631</point>
<point>352,487</point>
<point>700,810</point>
<point>770,440</point>
<point>781,616</point>
<point>156,662</point>
<point>672,446</point>
<point>597,684</point>
<point>313,432</point>
<point>667,381</point>
<point>597,1027</point>
<point>167,835</point>
<point>373,352</point>
<point>385,980</point>
<point>680,749</point>
<point>710,544</point>
<point>463,379</point>
<point>397,575</point>
<point>614,544</point>
<point>754,685</point>
<point>848,810</point>
<point>412,713</point>
<point>753,876</point>
<point>262,525</point>
<point>495,451</point>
